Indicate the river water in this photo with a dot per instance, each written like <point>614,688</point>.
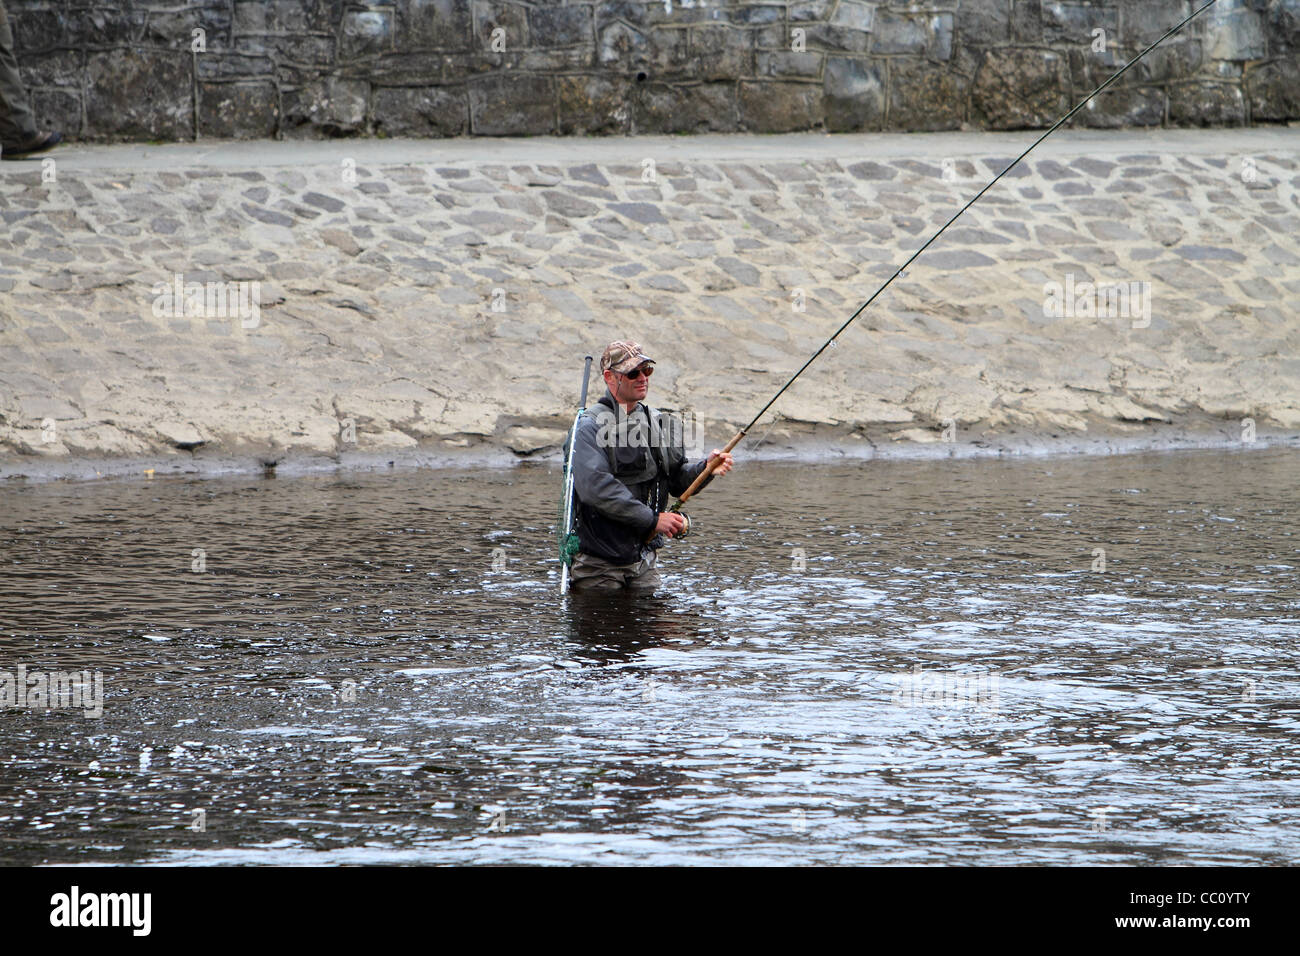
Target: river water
<point>1054,660</point>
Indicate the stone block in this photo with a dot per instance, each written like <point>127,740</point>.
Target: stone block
<point>924,97</point>
<point>754,15</point>
<point>780,107</point>
<point>802,11</point>
<point>141,95</point>
<point>1119,107</point>
<point>434,25</point>
<point>512,106</point>
<point>776,36</point>
<point>557,60</point>
<point>854,16</point>
<point>239,110</point>
<point>327,106</point>
<point>58,109</point>
<point>1175,59</point>
<point>853,94</point>
<point>722,53</point>
<point>285,16</point>
<point>983,22</point>
<point>560,26</point>
<point>1206,104</point>
<point>872,172</point>
<point>1284,25</point>
<point>174,29</point>
<point>1074,23</point>
<point>1026,21</point>
<point>55,68</point>
<point>824,36</point>
<point>491,15</point>
<point>656,13</point>
<point>223,66</point>
<point>636,12</point>
<point>1274,90</point>
<point>569,206</point>
<point>913,33</point>
<point>1020,89</point>
<point>1147,21</point>
<point>416,69</point>
<point>366,32</point>
<point>298,50</point>
<point>669,55</point>
<point>703,108</point>
<point>622,48</point>
<point>593,104</point>
<point>97,27</point>
<point>421,111</point>
<point>1236,32</point>
<point>786,64</point>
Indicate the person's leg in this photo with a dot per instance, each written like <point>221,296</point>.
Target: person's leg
<point>17,124</point>
<point>590,573</point>
<point>645,576</point>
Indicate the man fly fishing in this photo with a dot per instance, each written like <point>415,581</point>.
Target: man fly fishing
<point>628,458</point>
<point>619,478</point>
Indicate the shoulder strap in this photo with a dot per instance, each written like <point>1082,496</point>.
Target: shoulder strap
<point>595,412</point>
<point>656,436</point>
<point>660,493</point>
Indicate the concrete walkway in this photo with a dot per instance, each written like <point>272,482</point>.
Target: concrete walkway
<point>430,299</point>
<point>844,147</point>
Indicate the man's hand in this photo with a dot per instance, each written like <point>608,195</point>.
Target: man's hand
<point>670,523</point>
<point>726,461</point>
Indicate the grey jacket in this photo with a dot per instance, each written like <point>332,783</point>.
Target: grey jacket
<point>625,467</point>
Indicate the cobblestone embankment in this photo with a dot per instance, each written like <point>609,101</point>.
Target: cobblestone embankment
<point>429,302</point>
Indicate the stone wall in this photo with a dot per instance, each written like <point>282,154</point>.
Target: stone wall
<point>158,70</point>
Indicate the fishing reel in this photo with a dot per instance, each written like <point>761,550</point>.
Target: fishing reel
<point>658,540</point>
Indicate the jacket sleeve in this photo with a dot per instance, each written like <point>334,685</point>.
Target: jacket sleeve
<point>596,485</point>
<point>684,474</point>
<point>680,472</point>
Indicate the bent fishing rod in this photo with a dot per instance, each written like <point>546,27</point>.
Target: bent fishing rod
<point>901,270</point>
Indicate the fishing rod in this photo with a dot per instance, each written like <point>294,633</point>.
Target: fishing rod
<point>708,470</point>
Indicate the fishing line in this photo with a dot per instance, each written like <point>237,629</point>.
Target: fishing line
<point>903,268</point>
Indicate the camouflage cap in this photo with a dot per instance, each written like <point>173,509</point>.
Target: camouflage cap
<point>623,357</point>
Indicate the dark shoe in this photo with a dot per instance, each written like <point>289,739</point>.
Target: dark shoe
<point>38,144</point>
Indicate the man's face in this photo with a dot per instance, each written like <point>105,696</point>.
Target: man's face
<point>628,390</point>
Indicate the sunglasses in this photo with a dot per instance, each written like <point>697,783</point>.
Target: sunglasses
<point>646,370</point>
